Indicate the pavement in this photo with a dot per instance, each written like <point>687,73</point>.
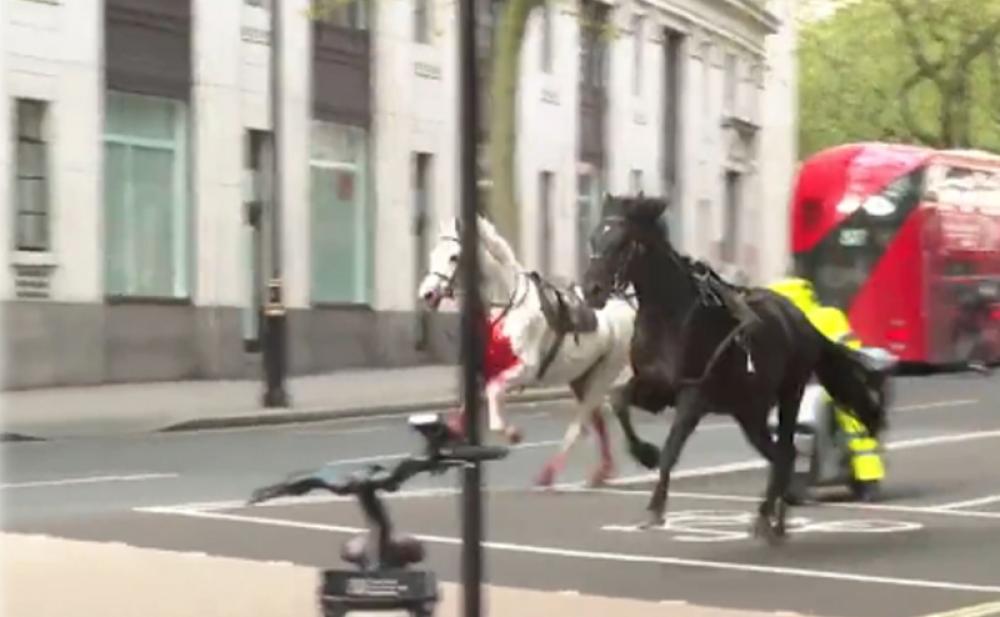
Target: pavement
<point>50,413</point>
<point>931,546</point>
<point>95,578</point>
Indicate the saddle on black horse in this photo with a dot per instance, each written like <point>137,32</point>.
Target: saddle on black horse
<point>565,311</point>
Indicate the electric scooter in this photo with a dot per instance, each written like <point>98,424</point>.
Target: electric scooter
<point>382,580</point>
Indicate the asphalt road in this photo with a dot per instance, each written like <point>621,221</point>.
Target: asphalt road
<point>932,543</point>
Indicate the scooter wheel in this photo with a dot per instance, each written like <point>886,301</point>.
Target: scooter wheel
<point>866,492</point>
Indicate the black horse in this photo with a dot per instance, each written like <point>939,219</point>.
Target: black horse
<point>688,353</point>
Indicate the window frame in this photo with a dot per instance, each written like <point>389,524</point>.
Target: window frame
<point>423,21</point>
<point>182,260</point>
<point>638,28</point>
<point>547,38</point>
<point>21,244</point>
<point>364,269</point>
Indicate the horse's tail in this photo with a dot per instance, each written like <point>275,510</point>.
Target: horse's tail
<point>853,384</point>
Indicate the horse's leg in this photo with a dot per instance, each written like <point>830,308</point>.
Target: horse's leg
<point>606,468</point>
<point>558,461</point>
<point>754,428</point>
<point>496,388</point>
<point>771,517</point>
<point>591,389</point>
<point>689,413</point>
<point>645,453</point>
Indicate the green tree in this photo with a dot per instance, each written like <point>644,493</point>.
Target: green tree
<point>504,79</point>
<point>918,71</point>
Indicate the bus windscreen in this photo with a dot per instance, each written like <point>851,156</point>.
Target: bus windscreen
<point>840,263</point>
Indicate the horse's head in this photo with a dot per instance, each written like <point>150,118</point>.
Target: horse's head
<point>440,280</point>
<point>627,225</point>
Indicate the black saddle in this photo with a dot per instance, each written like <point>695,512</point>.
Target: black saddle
<point>401,551</point>
<point>565,310</point>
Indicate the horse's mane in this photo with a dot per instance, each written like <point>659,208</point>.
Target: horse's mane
<point>493,242</point>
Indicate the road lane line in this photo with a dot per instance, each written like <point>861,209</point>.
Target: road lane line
<point>609,556</point>
<point>968,503</point>
<point>926,510</point>
<point>89,480</point>
<point>990,609</point>
<point>521,446</point>
<point>935,405</point>
<point>759,463</point>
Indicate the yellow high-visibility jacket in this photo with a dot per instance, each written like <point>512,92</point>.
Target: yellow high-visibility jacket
<point>829,320</point>
<point>833,323</point>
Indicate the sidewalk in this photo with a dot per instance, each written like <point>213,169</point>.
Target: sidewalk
<point>190,405</point>
<point>52,577</point>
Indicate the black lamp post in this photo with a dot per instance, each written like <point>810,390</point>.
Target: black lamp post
<point>274,331</point>
<point>472,308</point>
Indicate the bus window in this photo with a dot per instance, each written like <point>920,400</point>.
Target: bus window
<point>841,263</point>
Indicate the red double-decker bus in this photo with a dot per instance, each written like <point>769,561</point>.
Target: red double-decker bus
<point>905,240</point>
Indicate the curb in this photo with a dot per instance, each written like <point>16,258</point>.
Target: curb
<point>320,414</point>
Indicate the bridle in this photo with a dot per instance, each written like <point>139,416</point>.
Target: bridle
<point>449,280</point>
<point>512,301</point>
<point>619,281</point>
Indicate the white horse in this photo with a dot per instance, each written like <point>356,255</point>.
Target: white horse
<point>520,339</point>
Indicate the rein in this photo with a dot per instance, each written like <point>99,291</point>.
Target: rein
<point>512,301</point>
<point>620,283</point>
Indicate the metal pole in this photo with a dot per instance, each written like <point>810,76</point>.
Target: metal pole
<point>274,344</point>
<point>473,316</point>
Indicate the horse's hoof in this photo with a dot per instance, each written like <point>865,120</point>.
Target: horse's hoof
<point>653,521</point>
<point>546,478</point>
<point>770,528</point>
<point>648,455</point>
<point>455,424</point>
<point>513,435</point>
<point>600,477</point>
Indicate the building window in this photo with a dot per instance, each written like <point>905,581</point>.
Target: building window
<point>706,93</point>
<point>731,84</point>
<point>637,45</point>
<point>635,181</point>
<point>547,36</point>
<point>31,184</point>
<point>264,4</point>
<point>344,13</point>
<point>146,233</point>
<point>730,239</point>
<point>422,20</point>
<point>588,213</point>
<point>593,43</point>
<point>341,221</point>
<point>545,226</point>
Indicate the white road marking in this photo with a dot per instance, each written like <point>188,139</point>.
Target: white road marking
<point>759,463</point>
<point>299,501</point>
<point>526,445</point>
<point>609,556</point>
<point>934,510</point>
<point>735,525</point>
<point>89,480</point>
<point>936,405</point>
<point>990,609</point>
<point>398,455</point>
<point>969,503</point>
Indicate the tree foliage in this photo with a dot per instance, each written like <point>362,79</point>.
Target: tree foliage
<point>915,71</point>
